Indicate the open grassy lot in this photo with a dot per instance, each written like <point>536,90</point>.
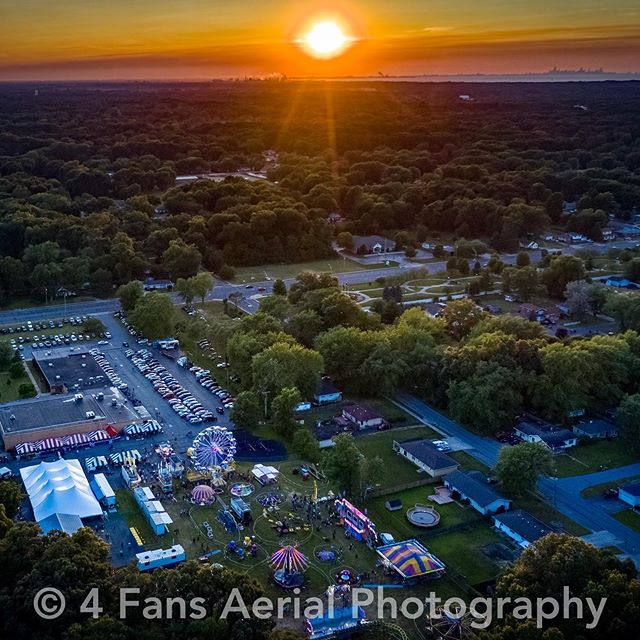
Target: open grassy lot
<point>594,456</point>
<point>468,462</point>
<point>274,271</point>
<point>630,518</point>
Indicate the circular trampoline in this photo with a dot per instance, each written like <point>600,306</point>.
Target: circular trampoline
<point>423,516</point>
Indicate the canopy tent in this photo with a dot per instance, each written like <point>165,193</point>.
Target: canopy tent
<point>99,435</point>
<point>265,474</point>
<point>410,559</point>
<point>49,444</point>
<point>25,447</point>
<point>75,440</point>
<point>59,487</point>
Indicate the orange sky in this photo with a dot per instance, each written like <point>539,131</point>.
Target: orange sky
<point>162,39</point>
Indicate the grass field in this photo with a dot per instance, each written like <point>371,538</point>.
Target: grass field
<point>274,271</point>
<point>9,387</point>
<point>630,518</point>
<point>596,456</point>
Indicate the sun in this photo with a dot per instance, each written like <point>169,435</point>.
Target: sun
<point>325,39</point>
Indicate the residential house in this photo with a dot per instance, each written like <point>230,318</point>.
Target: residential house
<point>571,237</point>
<point>371,244</point>
<point>630,494</point>
<point>326,392</point>
<point>472,487</point>
<point>608,235</point>
<point>520,526</point>
<point>556,438</point>
<point>621,283</point>
<point>362,417</point>
<point>569,207</point>
<point>426,456</point>
<point>597,429</point>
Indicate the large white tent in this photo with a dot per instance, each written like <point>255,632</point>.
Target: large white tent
<point>59,488</point>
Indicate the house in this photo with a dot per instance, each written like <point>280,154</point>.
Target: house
<point>520,526</point>
<point>425,455</point>
<point>549,315</point>
<point>608,235</point>
<point>472,487</point>
<point>362,417</point>
<point>433,309</point>
<point>571,237</point>
<point>630,494</point>
<point>596,429</point>
<point>556,438</point>
<point>569,207</point>
<point>326,392</point>
<point>151,284</point>
<point>366,245</point>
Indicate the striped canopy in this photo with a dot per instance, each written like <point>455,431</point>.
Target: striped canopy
<point>97,436</point>
<point>48,444</point>
<point>410,559</point>
<point>26,447</point>
<point>75,439</point>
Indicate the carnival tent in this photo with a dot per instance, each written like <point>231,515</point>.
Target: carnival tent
<point>410,559</point>
<point>59,488</point>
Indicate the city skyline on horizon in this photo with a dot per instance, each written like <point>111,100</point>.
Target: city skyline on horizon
<point>199,39</point>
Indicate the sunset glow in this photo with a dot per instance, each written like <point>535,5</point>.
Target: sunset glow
<point>326,39</point>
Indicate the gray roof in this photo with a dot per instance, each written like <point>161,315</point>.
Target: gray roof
<point>75,369</point>
<point>326,387</point>
<point>594,427</point>
<point>524,524</point>
<point>61,409</point>
<point>553,436</point>
<point>427,453</point>
<point>473,488</point>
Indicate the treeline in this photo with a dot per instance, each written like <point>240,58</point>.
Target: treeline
<point>92,170</point>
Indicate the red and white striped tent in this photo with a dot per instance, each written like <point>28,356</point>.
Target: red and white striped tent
<point>48,444</point>
<point>25,447</point>
<point>97,436</point>
<point>75,440</point>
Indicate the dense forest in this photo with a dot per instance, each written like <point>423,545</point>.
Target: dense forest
<point>89,198</point>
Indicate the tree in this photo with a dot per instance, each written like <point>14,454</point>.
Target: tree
<point>523,259</point>
<point>283,408</point>
<point>342,463</point>
<point>625,309</point>
<point>285,365</point>
<point>10,496</point>
<point>186,289</point>
<point>488,400</point>
<point>181,260</point>
<point>520,466</point>
<point>632,270</point>
<point>577,294</point>
<point>129,294</point>
<point>305,445</point>
<point>460,316</point>
<point>556,564</point>
<point>26,390</point>
<point>561,271</point>
<point>345,240</point>
<point>6,354</point>
<point>247,410</point>
<point>628,419</point>
<point>154,316</point>
<point>93,326</point>
<point>279,288</point>
<point>525,282</point>
<point>276,306</point>
<point>202,285</point>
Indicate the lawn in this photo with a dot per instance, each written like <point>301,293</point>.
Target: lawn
<point>599,489</point>
<point>9,387</point>
<point>630,518</point>
<point>594,456</point>
<point>274,271</point>
<point>468,462</point>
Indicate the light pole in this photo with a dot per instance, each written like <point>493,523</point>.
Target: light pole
<point>265,393</point>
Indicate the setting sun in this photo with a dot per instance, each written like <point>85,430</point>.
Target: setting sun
<point>326,39</point>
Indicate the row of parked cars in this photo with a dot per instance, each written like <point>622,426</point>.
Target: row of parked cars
<point>105,365</point>
<point>43,324</point>
<point>182,401</point>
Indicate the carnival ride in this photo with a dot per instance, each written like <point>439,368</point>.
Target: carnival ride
<point>289,565</point>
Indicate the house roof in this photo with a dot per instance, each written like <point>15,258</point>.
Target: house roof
<point>326,387</point>
<point>632,489</point>
<point>361,414</point>
<point>524,524</point>
<point>473,487</point>
<point>427,453</point>
<point>553,436</point>
<point>594,427</point>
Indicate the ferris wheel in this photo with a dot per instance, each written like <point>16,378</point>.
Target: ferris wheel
<point>213,449</point>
